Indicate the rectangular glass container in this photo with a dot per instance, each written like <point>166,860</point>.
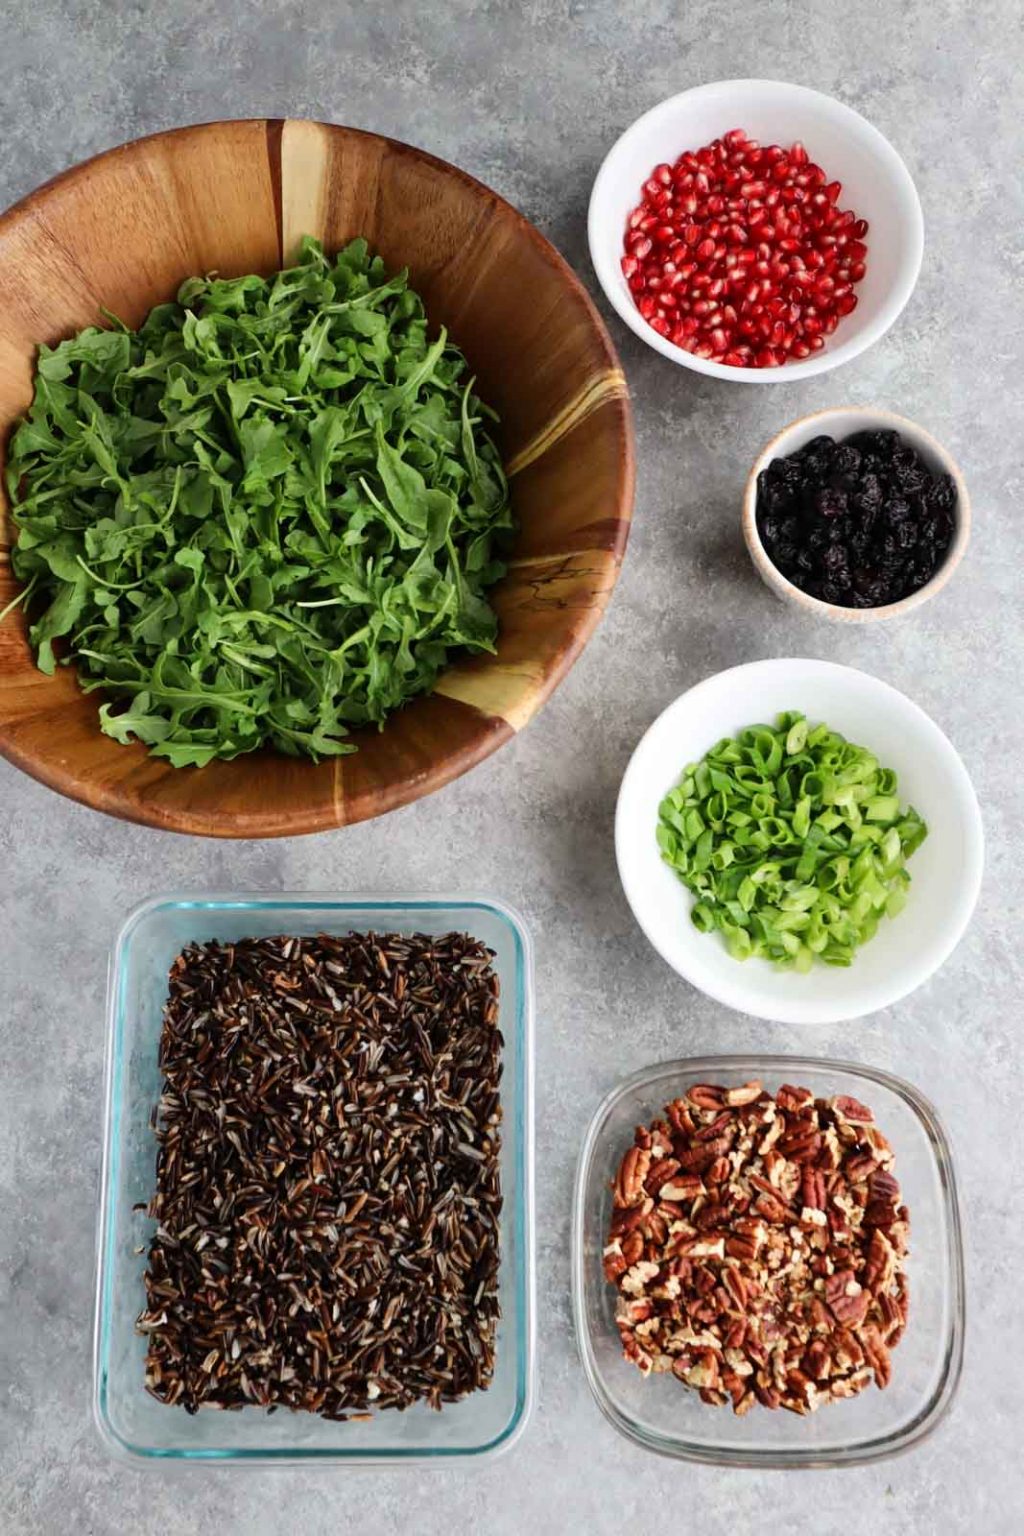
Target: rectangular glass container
<point>136,1424</point>
<point>661,1414</point>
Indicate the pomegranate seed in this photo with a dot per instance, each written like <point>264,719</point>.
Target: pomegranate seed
<point>742,253</point>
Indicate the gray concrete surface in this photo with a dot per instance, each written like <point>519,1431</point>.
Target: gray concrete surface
<point>528,97</point>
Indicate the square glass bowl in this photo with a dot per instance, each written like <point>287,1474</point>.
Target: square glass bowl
<point>664,1416</point>
<point>133,1422</point>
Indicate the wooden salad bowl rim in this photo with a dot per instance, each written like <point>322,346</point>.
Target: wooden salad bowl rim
<point>477,704</point>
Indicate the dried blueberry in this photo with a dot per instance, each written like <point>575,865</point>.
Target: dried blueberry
<point>868,495</point>
<point>940,493</point>
<point>846,460</point>
<point>862,521</point>
<point>831,502</point>
<point>909,470</point>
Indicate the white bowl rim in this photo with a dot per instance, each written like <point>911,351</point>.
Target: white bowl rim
<point>870,415</point>
<point>828,357</point>
<point>740,995</point>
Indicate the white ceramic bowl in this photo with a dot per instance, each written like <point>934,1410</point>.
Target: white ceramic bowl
<point>839,423</point>
<point>876,183</point>
<point>945,871</point>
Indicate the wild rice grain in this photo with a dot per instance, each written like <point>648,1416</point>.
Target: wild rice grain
<point>328,1190</point>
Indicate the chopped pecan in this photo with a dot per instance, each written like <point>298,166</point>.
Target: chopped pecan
<point>883,1186</point>
<point>812,1188</point>
<point>716,1127</point>
<point>704,1096</point>
<point>654,1228</point>
<point>877,1356</point>
<point>680,1118</point>
<point>625,1220</point>
<point>613,1262</point>
<point>734,1283</point>
<point>847,1301</point>
<point>629,1186</point>
<point>879,1213</point>
<point>737,1098</point>
<point>758,1248</point>
<point>659,1173</point>
<point>772,1208</point>
<point>705,1372</point>
<point>859,1166</point>
<point>800,1146</point>
<point>851,1109</point>
<point>880,1263</point>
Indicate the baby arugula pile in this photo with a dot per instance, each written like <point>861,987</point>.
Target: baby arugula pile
<point>265,517</point>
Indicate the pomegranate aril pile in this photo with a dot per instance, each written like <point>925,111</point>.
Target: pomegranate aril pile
<point>741,253</point>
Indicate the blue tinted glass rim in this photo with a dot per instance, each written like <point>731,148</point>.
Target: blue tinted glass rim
<point>523,1163</point>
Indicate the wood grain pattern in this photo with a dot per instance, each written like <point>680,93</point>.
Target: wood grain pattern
<point>123,230</point>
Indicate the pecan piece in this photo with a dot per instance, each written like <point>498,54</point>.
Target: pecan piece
<point>629,1185</point>
<point>738,1098</point>
<point>660,1173</point>
<point>791,1099</point>
<point>706,1096</point>
<point>705,1372</point>
<point>851,1109</point>
<point>812,1188</point>
<point>847,1300</point>
<point>680,1118</point>
<point>859,1166</point>
<point>772,1209</point>
<point>736,1286</point>
<point>883,1186</point>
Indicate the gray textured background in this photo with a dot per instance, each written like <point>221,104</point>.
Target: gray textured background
<point>528,97</point>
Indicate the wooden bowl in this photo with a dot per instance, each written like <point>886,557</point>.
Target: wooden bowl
<point>122,231</point>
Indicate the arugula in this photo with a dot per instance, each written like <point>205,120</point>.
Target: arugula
<point>266,516</point>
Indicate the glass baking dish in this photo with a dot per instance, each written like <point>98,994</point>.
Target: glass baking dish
<point>133,1422</point>
<point>664,1416</point>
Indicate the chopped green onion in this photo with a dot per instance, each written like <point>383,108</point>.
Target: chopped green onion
<point>793,841</point>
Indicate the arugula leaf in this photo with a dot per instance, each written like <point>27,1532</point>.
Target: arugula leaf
<point>265,517</point>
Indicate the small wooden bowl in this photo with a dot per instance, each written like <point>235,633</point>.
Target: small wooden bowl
<point>122,231</point>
